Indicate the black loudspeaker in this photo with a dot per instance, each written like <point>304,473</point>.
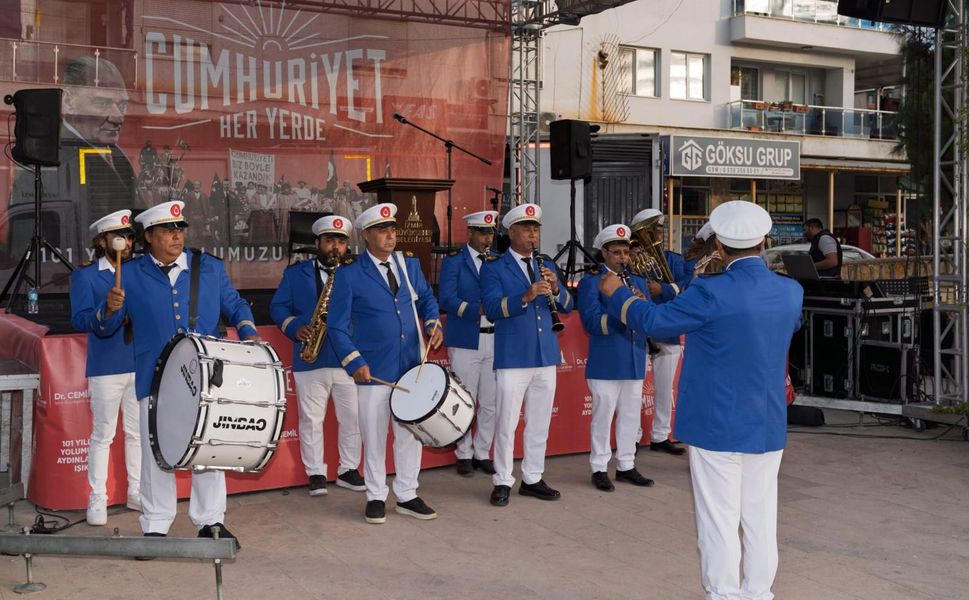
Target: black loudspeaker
<point>570,149</point>
<point>925,13</point>
<point>38,130</point>
<point>832,375</point>
<point>886,372</point>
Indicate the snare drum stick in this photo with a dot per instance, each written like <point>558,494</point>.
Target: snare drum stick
<point>390,385</point>
<point>427,350</point>
<point>118,245</point>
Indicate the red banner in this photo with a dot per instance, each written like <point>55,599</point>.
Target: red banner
<point>62,421</point>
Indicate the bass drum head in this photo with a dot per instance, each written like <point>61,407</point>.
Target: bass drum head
<point>176,390</point>
<point>425,394</point>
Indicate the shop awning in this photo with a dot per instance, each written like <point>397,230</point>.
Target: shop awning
<point>857,166</point>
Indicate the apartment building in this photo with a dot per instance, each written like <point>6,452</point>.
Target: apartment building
<point>734,79</point>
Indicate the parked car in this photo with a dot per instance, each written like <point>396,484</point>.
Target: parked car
<point>776,263</point>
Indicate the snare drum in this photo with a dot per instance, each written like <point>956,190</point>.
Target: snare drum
<point>438,409</point>
<point>216,404</point>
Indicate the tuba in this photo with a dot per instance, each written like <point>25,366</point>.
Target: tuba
<point>310,349</point>
<point>651,262</point>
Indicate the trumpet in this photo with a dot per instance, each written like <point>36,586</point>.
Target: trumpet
<point>624,278</point>
<point>557,324</point>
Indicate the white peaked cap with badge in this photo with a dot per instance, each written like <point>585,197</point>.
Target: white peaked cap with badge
<point>612,233</point>
<point>484,218</point>
<point>705,232</point>
<point>648,213</point>
<point>332,224</point>
<point>375,215</point>
<point>166,212</point>
<point>115,221</point>
<point>740,224</point>
<point>523,213</point>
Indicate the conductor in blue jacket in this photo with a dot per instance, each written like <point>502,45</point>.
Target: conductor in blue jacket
<point>110,367</point>
<point>616,367</point>
<point>380,309</point>
<point>732,410</point>
<point>155,294</point>
<point>470,337</point>
<point>516,289</point>
<point>292,309</point>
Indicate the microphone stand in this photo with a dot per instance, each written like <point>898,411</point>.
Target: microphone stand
<point>448,145</point>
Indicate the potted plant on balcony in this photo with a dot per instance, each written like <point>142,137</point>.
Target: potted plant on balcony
<point>760,105</point>
<point>800,108</point>
<point>787,106</point>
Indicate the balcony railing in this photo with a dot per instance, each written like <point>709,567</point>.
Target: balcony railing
<point>806,119</point>
<point>44,62</point>
<point>807,11</point>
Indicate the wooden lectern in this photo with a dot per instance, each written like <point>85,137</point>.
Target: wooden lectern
<point>415,199</point>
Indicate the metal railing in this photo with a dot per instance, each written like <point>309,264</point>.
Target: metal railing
<point>44,62</point>
<point>807,119</point>
<point>805,11</point>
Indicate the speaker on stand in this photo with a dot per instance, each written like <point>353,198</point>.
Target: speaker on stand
<point>36,144</point>
<point>570,155</point>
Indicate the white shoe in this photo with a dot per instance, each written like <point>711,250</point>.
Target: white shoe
<point>134,502</point>
<point>97,511</point>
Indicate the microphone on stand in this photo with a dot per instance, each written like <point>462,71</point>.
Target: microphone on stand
<point>400,117</point>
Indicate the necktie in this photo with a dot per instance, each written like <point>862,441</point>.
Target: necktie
<point>481,257</point>
<point>531,271</point>
<point>391,280</point>
<point>166,269</point>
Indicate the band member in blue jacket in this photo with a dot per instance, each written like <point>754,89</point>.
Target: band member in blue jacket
<point>732,410</point>
<point>470,337</point>
<point>616,367</point>
<point>517,292</point>
<point>155,295</point>
<point>667,359</point>
<point>376,332</point>
<point>110,367</point>
<point>292,309</point>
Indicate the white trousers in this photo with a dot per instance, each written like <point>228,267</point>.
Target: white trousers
<point>664,372</point>
<point>622,399</point>
<point>536,388</point>
<point>374,403</point>
<point>477,373</point>
<point>159,497</point>
<point>734,490</point>
<point>107,394</point>
<point>313,390</point>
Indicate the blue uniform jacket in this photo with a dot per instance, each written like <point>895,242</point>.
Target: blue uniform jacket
<point>107,354</point>
<point>682,275</point>
<point>523,335</point>
<point>292,307</point>
<point>369,325</point>
<point>615,351</point>
<point>159,311</point>
<point>460,296</point>
<point>738,327</point>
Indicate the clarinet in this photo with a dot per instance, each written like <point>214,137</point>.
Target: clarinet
<point>624,277</point>
<point>557,324</point>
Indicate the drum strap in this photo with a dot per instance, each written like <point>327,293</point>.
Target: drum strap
<point>193,293</point>
<point>402,265</point>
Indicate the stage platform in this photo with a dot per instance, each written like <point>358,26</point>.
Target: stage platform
<point>859,518</point>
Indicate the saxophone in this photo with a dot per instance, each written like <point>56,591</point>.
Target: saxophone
<point>310,349</point>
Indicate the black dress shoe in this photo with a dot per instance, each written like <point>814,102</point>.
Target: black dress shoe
<point>499,495</point>
<point>465,468</point>
<point>484,465</point>
<point>416,508</point>
<point>206,532</point>
<point>667,447</point>
<point>375,512</point>
<point>150,534</point>
<point>633,477</point>
<point>351,480</point>
<point>539,490</point>
<point>600,479</point>
<point>317,485</point>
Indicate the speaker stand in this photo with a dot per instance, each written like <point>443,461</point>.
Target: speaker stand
<point>572,247</point>
<point>32,254</point>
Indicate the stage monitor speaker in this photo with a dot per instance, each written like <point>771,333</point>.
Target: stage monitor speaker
<point>570,149</point>
<point>37,133</point>
<point>885,372</point>
<point>924,13</point>
<point>832,375</point>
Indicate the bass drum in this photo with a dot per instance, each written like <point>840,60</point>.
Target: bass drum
<point>437,408</point>
<point>216,404</point>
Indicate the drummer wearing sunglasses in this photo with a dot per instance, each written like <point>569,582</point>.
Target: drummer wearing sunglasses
<point>156,295</point>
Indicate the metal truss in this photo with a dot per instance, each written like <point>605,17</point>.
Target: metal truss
<point>949,223</point>
<point>527,31</point>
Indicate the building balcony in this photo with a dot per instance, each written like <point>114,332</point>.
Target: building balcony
<point>806,119</point>
<point>43,63</point>
<point>805,11</point>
